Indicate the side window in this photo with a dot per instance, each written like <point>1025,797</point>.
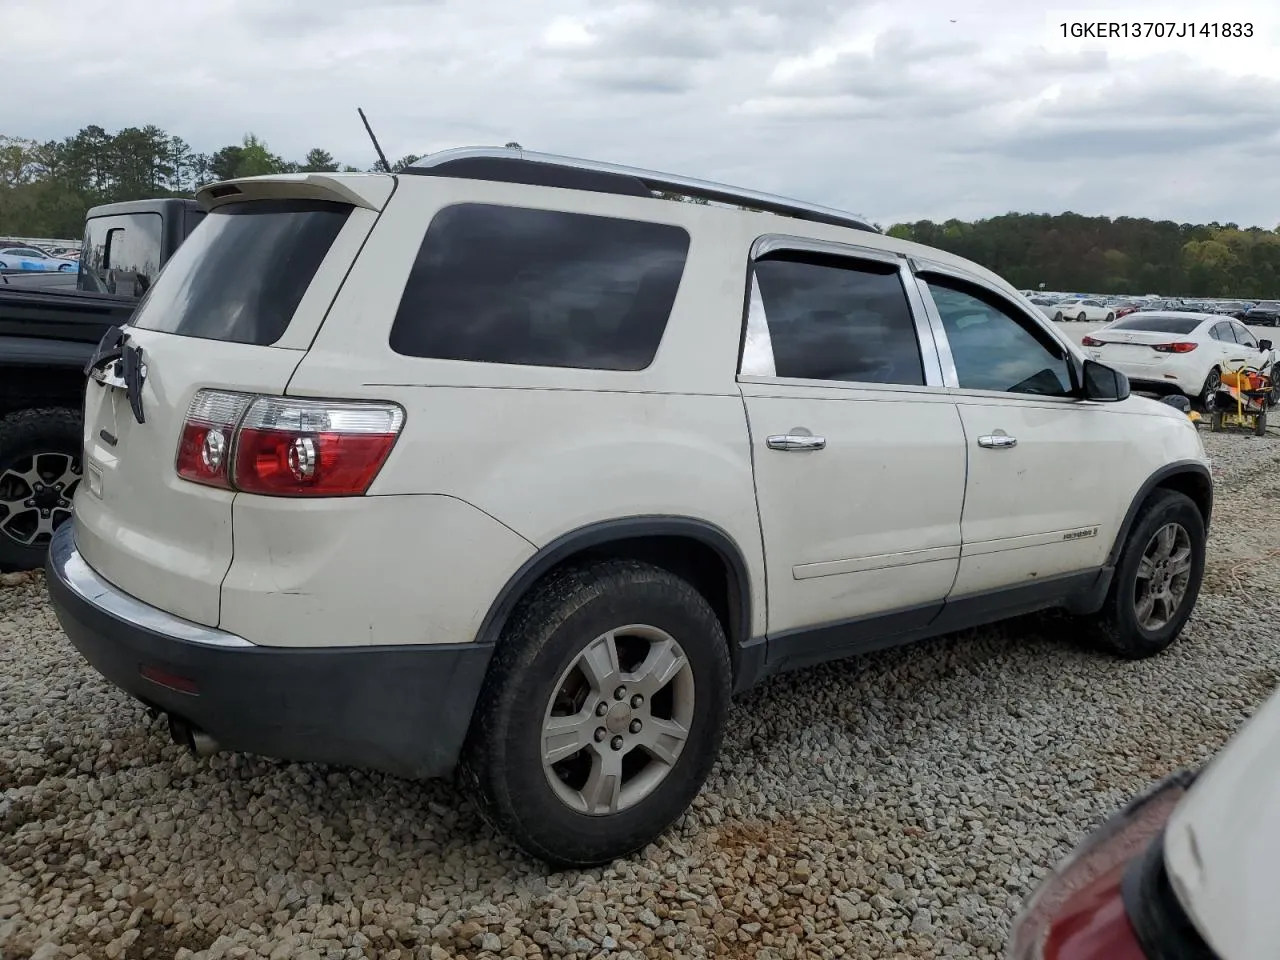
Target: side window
<point>835,319</point>
<point>993,347</point>
<point>1244,336</point>
<point>499,284</point>
<point>1221,331</point>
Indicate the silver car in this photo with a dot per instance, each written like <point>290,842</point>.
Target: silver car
<point>24,259</point>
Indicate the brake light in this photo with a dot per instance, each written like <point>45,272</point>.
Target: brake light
<point>1182,346</point>
<point>313,448</point>
<point>1091,342</point>
<point>204,452</point>
<point>279,446</point>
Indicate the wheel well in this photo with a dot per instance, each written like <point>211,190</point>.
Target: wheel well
<point>41,386</point>
<point>718,573</point>
<point>1194,485</point>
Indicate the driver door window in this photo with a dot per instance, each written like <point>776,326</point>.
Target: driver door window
<point>995,349</point>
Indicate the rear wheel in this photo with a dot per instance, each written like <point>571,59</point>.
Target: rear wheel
<point>1157,580</point>
<point>1058,316</point>
<point>1110,317</point>
<point>1081,317</point>
<point>1209,392</point>
<point>39,474</point>
<point>602,712</point>
<point>65,268</point>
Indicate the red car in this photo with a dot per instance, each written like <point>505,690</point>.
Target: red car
<point>1124,309</point>
<point>1188,871</point>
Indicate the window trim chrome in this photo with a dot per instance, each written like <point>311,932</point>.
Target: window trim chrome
<point>757,320</point>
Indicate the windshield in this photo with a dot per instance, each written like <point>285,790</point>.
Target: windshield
<point>241,274</point>
<point>1267,305</point>
<point>1156,324</point>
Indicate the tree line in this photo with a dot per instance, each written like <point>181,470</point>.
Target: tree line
<point>47,187</point>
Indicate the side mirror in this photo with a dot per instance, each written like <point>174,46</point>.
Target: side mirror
<point>1103,383</point>
<point>1264,345</point>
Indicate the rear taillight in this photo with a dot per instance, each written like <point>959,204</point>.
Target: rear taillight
<point>1182,346</point>
<point>204,452</point>
<point>279,446</point>
<point>1090,342</point>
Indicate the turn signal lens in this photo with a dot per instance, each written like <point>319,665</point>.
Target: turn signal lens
<point>203,452</point>
<point>1183,346</point>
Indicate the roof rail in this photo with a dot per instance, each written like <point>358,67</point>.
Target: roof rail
<point>509,165</point>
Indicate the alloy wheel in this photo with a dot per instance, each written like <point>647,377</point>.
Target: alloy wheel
<point>618,719</point>
<point>1164,573</point>
<point>36,495</point>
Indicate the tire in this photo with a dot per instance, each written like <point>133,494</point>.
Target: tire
<point>1260,423</point>
<point>1058,316</point>
<point>1117,627</point>
<point>1110,317</point>
<point>1217,422</point>
<point>65,268</point>
<point>1208,392</point>
<point>1080,318</point>
<point>47,441</point>
<point>537,659</point>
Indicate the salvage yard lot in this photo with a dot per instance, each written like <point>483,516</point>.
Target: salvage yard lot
<point>895,805</point>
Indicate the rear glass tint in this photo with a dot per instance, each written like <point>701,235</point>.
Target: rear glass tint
<point>241,274</point>
<point>540,288</point>
<point>1137,321</point>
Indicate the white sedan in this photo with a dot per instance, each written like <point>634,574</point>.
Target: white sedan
<point>1083,310</point>
<point>1164,352</point>
<point>26,259</point>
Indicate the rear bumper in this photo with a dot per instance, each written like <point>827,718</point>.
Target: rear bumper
<point>404,710</point>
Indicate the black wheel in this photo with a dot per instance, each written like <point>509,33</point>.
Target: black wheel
<point>1260,423</point>
<point>65,268</point>
<point>1110,317</point>
<point>1058,316</point>
<point>602,712</point>
<point>39,473</point>
<point>1157,580</point>
<point>1081,317</point>
<point>1209,392</point>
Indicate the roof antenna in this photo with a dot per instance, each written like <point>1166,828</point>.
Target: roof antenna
<point>381,156</point>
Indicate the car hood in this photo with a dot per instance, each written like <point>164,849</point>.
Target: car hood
<point>1222,844</point>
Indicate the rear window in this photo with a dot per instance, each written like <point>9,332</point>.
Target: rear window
<point>241,274</point>
<point>544,288</point>
<point>1138,321</point>
<point>121,254</point>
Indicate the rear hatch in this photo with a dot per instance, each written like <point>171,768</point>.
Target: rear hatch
<point>235,309</point>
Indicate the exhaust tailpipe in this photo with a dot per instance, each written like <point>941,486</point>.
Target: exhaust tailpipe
<point>195,740</point>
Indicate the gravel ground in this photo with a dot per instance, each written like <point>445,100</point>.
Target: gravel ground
<point>898,805</point>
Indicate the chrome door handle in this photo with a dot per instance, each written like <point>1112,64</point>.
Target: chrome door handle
<point>796,441</point>
<point>997,441</point>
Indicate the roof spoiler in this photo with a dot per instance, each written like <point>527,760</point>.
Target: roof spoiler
<point>370,191</point>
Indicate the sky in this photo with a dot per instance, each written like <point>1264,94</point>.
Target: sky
<point>898,111</point>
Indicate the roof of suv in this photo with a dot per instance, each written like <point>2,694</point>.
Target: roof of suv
<point>509,165</point>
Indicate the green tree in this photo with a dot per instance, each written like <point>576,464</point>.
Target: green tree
<point>319,161</point>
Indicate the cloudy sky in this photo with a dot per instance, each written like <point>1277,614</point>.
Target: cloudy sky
<point>898,110</point>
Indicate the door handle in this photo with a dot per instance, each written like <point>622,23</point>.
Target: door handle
<point>997,441</point>
<point>796,441</point>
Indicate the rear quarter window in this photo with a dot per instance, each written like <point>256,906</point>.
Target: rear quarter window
<point>512,285</point>
<point>241,275</point>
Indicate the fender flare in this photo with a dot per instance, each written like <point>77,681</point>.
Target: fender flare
<point>1179,467</point>
<point>626,528</point>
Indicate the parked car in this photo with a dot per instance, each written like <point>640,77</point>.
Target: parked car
<point>47,334</point>
<point>502,468</point>
<point>1264,314</point>
<point>31,258</point>
<point>1182,871</point>
<point>1169,352</point>
<point>1083,310</point>
<point>1128,307</point>
<point>1045,306</point>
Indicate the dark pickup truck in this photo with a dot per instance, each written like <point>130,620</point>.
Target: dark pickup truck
<point>47,335</point>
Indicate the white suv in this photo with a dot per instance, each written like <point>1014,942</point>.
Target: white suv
<point>507,464</point>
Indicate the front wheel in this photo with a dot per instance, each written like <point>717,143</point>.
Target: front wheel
<point>1157,580</point>
<point>602,713</point>
<point>1081,317</point>
<point>1058,316</point>
<point>65,268</point>
<point>39,474</point>
<point>1110,317</point>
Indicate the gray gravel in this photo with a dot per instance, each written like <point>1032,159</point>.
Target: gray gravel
<point>898,805</point>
